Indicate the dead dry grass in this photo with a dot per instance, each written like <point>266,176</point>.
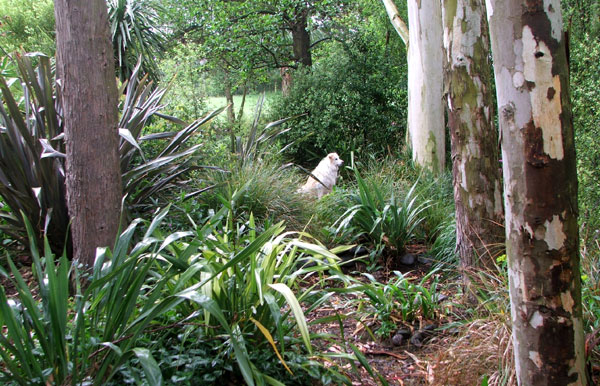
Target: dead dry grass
<point>482,349</point>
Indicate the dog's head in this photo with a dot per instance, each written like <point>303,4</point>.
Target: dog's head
<point>335,160</point>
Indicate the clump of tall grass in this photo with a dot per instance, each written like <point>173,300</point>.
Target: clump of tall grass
<point>403,298</point>
<point>267,190</point>
<point>398,175</point>
<point>443,250</point>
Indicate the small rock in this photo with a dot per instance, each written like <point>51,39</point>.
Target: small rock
<point>408,259</point>
<point>442,297</point>
<point>358,251</point>
<point>398,339</point>
<point>416,339</point>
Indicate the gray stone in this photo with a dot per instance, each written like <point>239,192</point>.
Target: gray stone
<point>408,259</point>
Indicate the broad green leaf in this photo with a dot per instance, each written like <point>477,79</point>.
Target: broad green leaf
<point>296,310</point>
<point>151,369</point>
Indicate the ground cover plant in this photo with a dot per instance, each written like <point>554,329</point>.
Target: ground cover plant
<point>223,273</point>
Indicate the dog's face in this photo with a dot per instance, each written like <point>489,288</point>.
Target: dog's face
<point>335,160</point>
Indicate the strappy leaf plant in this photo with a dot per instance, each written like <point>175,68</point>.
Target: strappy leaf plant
<point>242,283</point>
<point>386,221</point>
<point>52,338</point>
<point>135,34</point>
<point>32,153</point>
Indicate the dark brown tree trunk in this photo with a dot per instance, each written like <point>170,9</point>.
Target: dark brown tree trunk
<point>85,66</point>
<point>301,39</point>
<point>540,187</point>
<point>475,158</point>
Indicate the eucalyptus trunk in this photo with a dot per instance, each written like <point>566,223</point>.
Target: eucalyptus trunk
<point>540,188</point>
<point>425,84</point>
<point>85,66</point>
<point>396,20</point>
<point>474,138</point>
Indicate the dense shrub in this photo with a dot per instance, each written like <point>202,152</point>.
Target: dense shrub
<point>585,86</point>
<point>356,99</point>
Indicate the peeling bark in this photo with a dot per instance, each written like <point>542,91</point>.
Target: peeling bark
<point>425,84</point>
<point>475,158</point>
<point>540,187</point>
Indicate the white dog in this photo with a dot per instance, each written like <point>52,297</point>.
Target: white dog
<point>327,173</point>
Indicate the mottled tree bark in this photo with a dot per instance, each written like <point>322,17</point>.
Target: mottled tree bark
<point>286,80</point>
<point>85,67</point>
<point>540,187</point>
<point>475,163</point>
<point>425,84</point>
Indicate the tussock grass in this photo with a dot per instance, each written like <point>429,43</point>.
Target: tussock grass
<point>270,193</point>
<point>483,350</point>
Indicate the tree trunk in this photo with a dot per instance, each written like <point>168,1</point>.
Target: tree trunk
<point>475,163</point>
<point>85,65</point>
<point>286,80</point>
<point>425,84</point>
<point>396,20</point>
<point>229,99</point>
<point>540,187</point>
<point>301,39</point>
<point>242,104</point>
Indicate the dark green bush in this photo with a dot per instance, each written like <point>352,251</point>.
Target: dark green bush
<point>355,98</point>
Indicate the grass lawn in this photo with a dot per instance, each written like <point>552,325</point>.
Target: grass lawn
<point>213,103</point>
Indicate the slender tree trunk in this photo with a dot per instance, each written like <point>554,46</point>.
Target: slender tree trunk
<point>242,104</point>
<point>540,187</point>
<point>85,66</point>
<point>229,99</point>
<point>425,84</point>
<point>475,163</point>
<point>396,20</point>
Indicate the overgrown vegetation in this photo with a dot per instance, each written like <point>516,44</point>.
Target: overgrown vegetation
<point>224,272</point>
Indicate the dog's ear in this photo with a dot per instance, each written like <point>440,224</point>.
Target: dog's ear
<point>331,157</point>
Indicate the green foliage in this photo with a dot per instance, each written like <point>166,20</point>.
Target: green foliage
<point>135,34</point>
<point>364,110</point>
<point>443,249</point>
<point>401,299</point>
<point>385,220</point>
<point>585,86</point>
<point>63,339</point>
<point>266,190</point>
<point>190,83</point>
<point>32,152</point>
<point>27,25</point>
<point>225,297</point>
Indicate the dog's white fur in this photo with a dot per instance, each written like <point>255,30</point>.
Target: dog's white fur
<point>327,173</point>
